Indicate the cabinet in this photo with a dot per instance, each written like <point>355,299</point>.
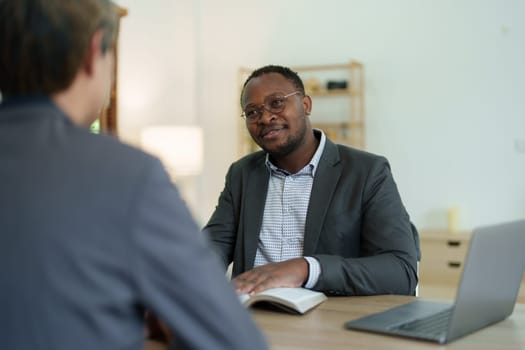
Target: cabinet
<point>107,122</point>
<point>337,92</point>
<point>442,257</point>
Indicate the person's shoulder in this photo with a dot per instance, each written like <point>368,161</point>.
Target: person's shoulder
<point>348,154</point>
<point>249,161</point>
<point>109,154</point>
<point>110,145</point>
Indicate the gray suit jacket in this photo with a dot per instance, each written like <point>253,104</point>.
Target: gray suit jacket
<point>92,233</point>
<point>356,226</point>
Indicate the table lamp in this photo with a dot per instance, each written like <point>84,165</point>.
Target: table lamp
<point>180,148</point>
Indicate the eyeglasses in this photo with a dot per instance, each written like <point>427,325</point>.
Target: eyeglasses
<point>273,103</point>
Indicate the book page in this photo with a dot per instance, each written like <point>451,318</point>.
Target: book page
<point>295,299</point>
<point>296,295</point>
<point>243,298</point>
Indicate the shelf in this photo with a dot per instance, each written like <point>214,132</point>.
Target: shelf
<point>108,119</point>
<point>332,92</point>
<point>339,66</point>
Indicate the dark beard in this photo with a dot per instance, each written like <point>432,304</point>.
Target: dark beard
<point>290,146</point>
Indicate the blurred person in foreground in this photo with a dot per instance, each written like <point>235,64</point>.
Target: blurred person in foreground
<point>92,232</point>
<point>306,212</point>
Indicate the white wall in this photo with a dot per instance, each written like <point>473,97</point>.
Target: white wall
<point>444,86</point>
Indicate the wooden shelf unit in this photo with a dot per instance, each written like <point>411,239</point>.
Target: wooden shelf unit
<point>108,120</point>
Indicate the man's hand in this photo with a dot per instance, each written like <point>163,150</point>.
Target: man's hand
<point>290,273</point>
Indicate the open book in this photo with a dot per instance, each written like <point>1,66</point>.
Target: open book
<point>295,300</point>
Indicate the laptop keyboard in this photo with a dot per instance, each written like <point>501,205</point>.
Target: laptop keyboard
<point>432,325</point>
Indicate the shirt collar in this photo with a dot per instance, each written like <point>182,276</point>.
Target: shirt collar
<point>314,162</point>
<point>8,101</point>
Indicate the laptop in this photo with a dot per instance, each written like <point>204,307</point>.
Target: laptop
<point>486,294</point>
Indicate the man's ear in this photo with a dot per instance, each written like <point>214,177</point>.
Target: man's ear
<point>94,52</point>
<point>307,104</point>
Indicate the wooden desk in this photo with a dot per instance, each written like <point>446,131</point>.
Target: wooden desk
<point>322,328</point>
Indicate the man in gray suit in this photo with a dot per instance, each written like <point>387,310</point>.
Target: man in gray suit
<point>305,211</point>
<point>92,232</point>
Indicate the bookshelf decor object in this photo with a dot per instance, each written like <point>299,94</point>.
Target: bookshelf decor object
<point>337,92</point>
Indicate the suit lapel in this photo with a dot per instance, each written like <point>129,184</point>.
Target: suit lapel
<point>256,190</point>
<point>326,177</point>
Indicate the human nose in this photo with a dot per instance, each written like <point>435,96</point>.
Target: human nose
<point>266,114</point>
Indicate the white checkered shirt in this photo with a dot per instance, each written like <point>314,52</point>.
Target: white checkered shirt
<point>282,232</point>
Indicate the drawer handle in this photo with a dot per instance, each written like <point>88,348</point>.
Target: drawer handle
<point>454,264</point>
<point>454,243</point>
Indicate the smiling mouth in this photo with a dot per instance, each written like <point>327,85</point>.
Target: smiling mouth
<point>270,132</point>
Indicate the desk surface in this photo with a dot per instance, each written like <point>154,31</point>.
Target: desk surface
<point>322,328</point>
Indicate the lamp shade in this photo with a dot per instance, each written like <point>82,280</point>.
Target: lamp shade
<point>180,148</point>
